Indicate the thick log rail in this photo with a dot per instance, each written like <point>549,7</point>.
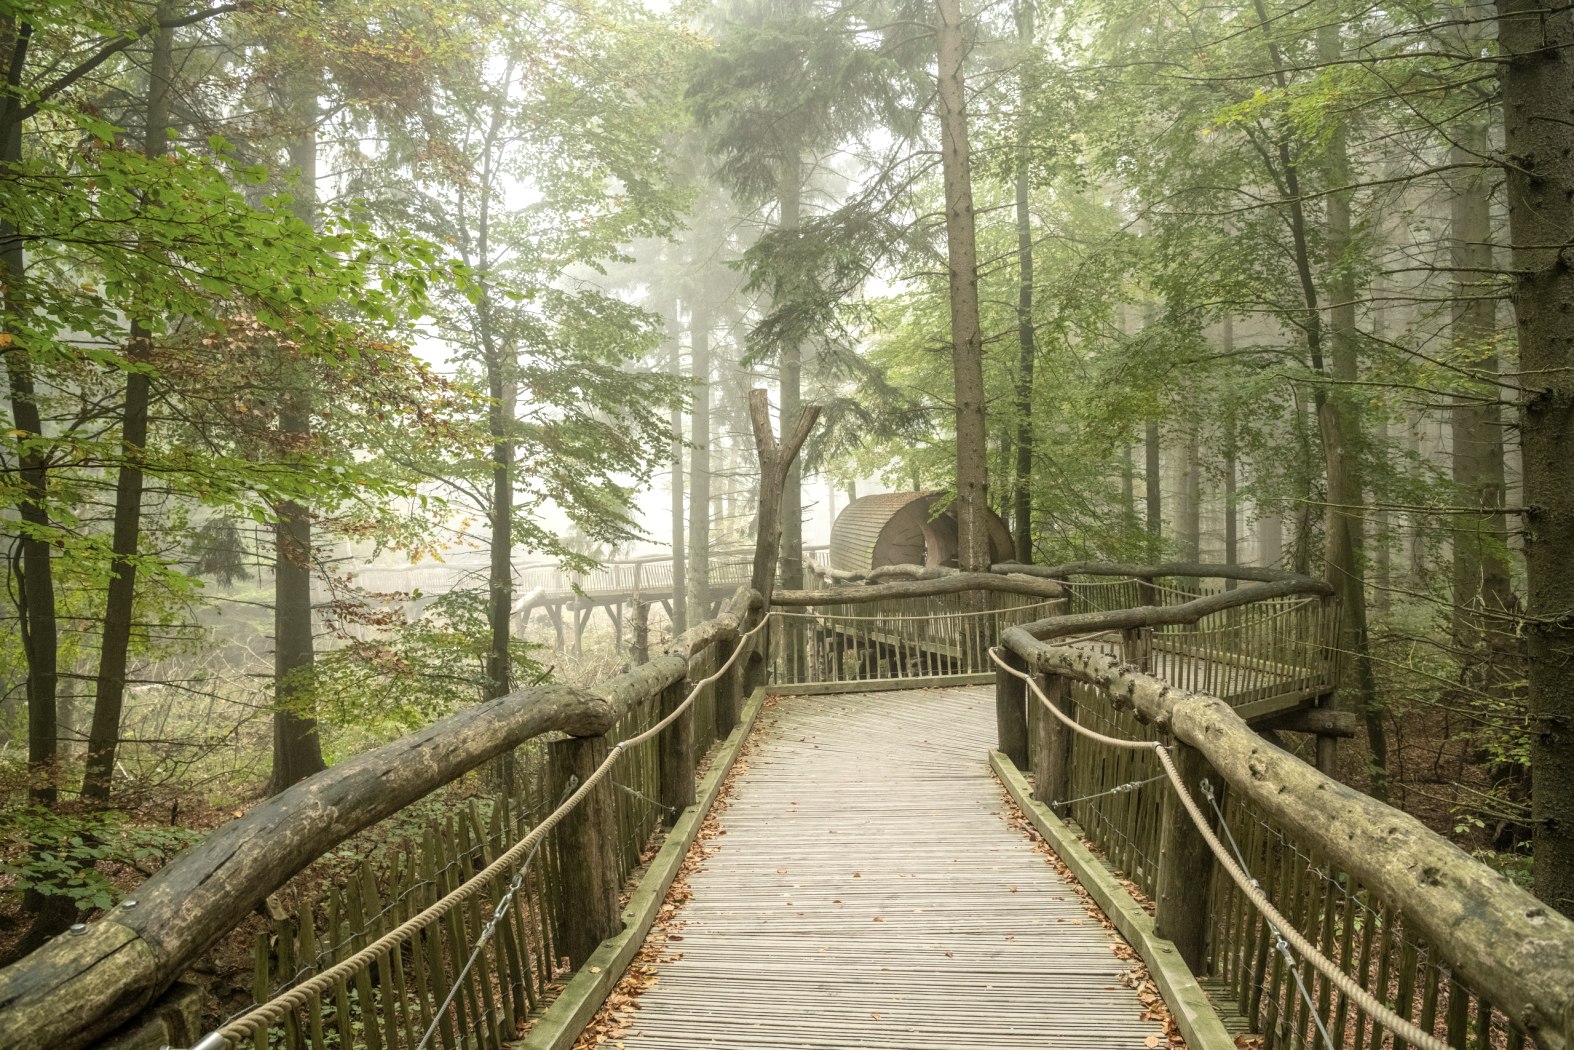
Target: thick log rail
<point>114,968</point>
<point>1447,943</point>
<point>1130,693</point>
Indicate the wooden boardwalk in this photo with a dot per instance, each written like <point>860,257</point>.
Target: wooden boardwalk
<point>868,892</point>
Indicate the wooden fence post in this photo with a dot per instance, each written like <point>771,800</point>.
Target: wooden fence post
<point>1185,867</point>
<point>727,689</point>
<point>1052,744</point>
<point>1011,710</point>
<point>588,869</point>
<point>1136,647</point>
<point>676,747</point>
<point>754,663</point>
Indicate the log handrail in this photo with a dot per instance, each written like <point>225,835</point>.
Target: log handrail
<point>1497,936</point>
<point>112,968</point>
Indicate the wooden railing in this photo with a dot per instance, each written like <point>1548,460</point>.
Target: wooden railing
<point>901,626</point>
<point>1421,932</point>
<point>554,905</point>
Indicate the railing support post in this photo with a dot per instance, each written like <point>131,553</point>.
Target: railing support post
<point>1052,744</point>
<point>754,663</point>
<point>1185,867</point>
<point>727,689</point>
<point>676,747</point>
<point>1011,710</point>
<point>1136,647</point>
<point>587,911</point>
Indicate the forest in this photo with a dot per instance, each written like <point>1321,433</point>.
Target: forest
<point>325,325</point>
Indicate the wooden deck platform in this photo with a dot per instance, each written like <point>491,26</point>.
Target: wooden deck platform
<point>868,892</point>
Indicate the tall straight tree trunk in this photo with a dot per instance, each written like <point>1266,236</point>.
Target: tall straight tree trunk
<point>1128,490</point>
<point>1337,423</point>
<point>1536,42</point>
<point>502,392</point>
<point>699,459</point>
<point>1022,478</point>
<point>1154,485</point>
<point>680,574</point>
<point>1382,529</point>
<point>1189,518</point>
<point>119,608</point>
<point>967,344</point>
<point>297,750</point>
<point>1482,587</point>
<point>36,583</point>
<point>1232,515</point>
<point>790,206</point>
<point>1340,423</point>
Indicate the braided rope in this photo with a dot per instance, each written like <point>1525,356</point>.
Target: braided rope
<point>1108,741</point>
<point>1365,1001</point>
<point>267,1014</point>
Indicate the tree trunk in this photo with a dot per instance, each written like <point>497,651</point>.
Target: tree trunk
<point>680,573</point>
<point>1190,514</point>
<point>502,390</point>
<point>1482,588</point>
<point>1232,554</point>
<point>119,608</point>
<point>297,751</point>
<point>1153,481</point>
<point>1340,425</point>
<point>1536,41</point>
<point>775,460</point>
<point>790,203</point>
<point>35,581</point>
<point>1022,478</point>
<point>967,352</point>
<point>699,460</point>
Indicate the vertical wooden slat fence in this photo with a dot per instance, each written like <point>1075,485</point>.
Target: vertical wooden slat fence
<point>439,988</point>
<point>1283,645</point>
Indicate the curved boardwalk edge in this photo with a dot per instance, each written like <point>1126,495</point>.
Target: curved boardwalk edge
<point>561,1023</point>
<point>1189,1004</point>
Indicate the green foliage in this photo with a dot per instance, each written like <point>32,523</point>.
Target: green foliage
<point>72,854</point>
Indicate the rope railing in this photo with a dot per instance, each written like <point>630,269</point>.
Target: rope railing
<point>1284,930</point>
<point>1475,953</point>
<point>264,1015</point>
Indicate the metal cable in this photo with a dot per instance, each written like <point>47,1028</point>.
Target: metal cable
<point>265,1015</point>
<point>1400,1027</point>
<point>1118,789</point>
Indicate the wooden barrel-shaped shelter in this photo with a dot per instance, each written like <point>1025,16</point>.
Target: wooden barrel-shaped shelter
<point>901,528</point>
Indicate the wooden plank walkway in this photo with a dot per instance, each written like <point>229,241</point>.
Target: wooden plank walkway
<point>868,892</point>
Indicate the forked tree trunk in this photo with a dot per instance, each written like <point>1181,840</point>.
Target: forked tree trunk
<point>967,348</point>
<point>776,460</point>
